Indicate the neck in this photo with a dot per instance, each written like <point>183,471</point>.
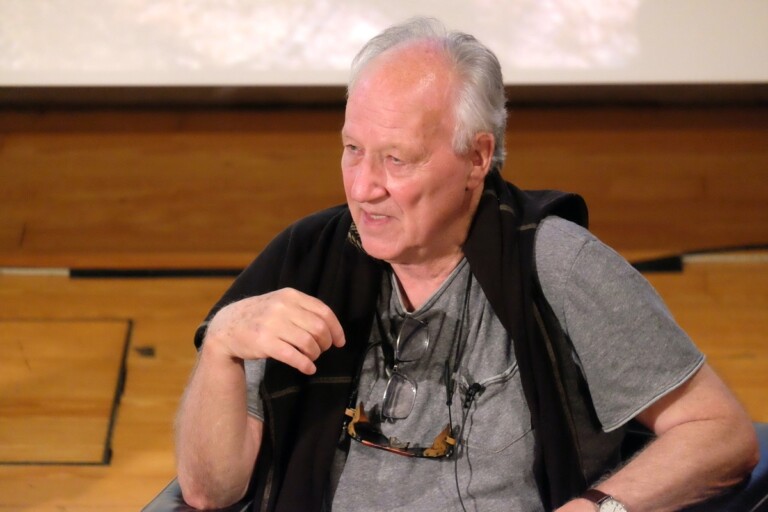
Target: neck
<point>419,282</point>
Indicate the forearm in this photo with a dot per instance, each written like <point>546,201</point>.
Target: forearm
<point>705,443</point>
<point>216,448</point>
<point>689,464</point>
<point>217,442</point>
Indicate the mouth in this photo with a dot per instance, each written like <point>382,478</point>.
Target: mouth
<point>371,214</point>
<point>373,218</point>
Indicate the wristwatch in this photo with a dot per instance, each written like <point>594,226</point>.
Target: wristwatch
<point>604,502</point>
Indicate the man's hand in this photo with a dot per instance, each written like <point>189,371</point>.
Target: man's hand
<point>285,325</point>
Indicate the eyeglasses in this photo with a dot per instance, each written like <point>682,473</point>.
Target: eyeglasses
<point>400,394</point>
<point>399,398</point>
<point>361,430</point>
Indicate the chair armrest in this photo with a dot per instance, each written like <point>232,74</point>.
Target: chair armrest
<point>170,500</point>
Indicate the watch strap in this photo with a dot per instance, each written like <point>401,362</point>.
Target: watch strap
<point>595,496</point>
<point>599,498</point>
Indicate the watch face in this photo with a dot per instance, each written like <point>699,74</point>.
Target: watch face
<point>611,505</point>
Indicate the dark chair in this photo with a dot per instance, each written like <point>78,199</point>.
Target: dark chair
<point>170,500</point>
<point>751,496</point>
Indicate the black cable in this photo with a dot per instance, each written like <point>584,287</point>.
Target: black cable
<point>456,461</point>
<point>473,392</point>
<point>451,384</point>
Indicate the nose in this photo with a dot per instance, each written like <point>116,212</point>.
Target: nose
<point>368,180</point>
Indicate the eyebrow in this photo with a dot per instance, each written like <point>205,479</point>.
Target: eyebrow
<point>345,134</point>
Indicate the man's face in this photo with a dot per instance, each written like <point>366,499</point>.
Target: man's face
<point>405,186</point>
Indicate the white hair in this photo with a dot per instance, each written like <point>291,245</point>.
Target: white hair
<point>480,103</point>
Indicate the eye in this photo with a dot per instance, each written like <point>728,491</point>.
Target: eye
<point>395,160</point>
<point>352,148</point>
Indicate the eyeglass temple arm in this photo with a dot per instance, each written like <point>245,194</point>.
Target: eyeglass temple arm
<point>358,416</point>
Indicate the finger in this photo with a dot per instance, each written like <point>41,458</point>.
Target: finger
<point>316,326</point>
<point>300,338</point>
<point>290,355</point>
<point>333,330</point>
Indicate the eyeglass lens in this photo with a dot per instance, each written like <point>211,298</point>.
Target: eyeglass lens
<point>399,397</point>
<point>413,340</point>
<point>400,393</point>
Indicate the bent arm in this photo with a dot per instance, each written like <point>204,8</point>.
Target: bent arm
<point>217,442</point>
<point>705,443</point>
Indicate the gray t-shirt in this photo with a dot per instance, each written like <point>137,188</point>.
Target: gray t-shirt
<point>627,344</point>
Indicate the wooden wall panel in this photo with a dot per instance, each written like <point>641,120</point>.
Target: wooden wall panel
<point>211,187</point>
<point>656,179</point>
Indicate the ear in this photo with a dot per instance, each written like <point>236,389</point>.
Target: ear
<point>480,156</point>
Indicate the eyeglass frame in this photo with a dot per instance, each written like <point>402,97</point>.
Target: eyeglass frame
<point>355,417</point>
<point>442,447</point>
<point>393,356</point>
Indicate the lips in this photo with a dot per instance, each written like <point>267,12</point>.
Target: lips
<point>372,217</point>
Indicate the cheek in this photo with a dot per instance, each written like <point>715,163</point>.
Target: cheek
<point>437,207</point>
<point>422,214</point>
<point>406,199</point>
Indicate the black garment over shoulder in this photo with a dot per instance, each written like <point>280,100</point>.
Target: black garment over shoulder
<point>320,255</point>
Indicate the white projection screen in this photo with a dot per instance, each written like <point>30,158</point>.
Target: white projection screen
<point>311,42</point>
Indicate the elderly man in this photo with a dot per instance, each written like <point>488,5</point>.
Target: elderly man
<point>445,341</point>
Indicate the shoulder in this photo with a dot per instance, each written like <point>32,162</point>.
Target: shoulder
<point>557,247</point>
<point>557,235</point>
<point>567,256</point>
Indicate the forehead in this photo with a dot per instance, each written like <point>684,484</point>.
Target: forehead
<point>404,88</point>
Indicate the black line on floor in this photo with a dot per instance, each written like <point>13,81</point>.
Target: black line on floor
<point>676,263</point>
<point>122,375</point>
<point>670,263</point>
<point>117,273</point>
<point>664,264</point>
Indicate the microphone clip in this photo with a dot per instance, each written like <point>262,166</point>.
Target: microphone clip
<point>473,391</point>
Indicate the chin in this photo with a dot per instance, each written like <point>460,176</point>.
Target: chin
<point>380,250</point>
<point>376,251</point>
